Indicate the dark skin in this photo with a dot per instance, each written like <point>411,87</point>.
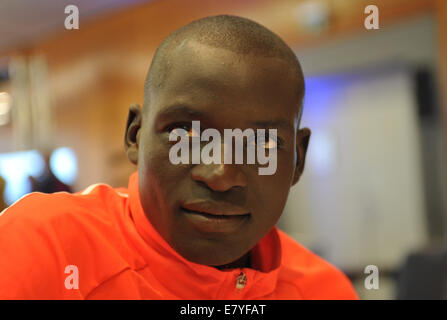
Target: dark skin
<point>223,90</point>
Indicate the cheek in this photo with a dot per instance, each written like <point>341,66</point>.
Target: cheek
<point>162,177</point>
<point>157,188</point>
<point>271,192</point>
<point>271,196</point>
<point>153,155</point>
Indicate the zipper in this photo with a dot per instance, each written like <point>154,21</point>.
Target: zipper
<point>241,281</point>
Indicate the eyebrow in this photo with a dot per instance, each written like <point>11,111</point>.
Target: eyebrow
<point>277,123</point>
<point>177,109</point>
<point>180,109</point>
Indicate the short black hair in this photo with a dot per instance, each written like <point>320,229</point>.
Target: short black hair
<point>238,34</point>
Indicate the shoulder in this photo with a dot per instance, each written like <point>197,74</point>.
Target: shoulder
<point>34,232</point>
<point>37,208</point>
<point>63,217</point>
<point>41,208</point>
<point>42,234</point>
<point>314,277</point>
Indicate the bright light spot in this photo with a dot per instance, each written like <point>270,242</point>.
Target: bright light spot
<point>5,103</point>
<point>36,164</point>
<point>312,15</point>
<point>64,165</point>
<point>15,168</point>
<point>5,107</point>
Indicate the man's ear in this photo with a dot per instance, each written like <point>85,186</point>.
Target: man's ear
<point>302,142</point>
<point>132,136</point>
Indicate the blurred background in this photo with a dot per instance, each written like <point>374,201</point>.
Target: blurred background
<point>374,187</point>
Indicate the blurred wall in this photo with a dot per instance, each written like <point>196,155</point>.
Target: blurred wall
<point>365,202</point>
<point>412,44</point>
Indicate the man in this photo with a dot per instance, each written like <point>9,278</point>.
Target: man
<point>188,230</point>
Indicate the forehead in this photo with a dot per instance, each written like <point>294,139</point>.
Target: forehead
<point>208,77</point>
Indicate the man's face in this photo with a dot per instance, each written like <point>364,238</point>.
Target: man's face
<point>223,90</point>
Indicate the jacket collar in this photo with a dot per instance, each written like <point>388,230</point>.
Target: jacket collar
<point>171,268</point>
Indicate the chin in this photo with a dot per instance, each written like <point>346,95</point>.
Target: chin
<point>212,257</point>
<point>212,261</point>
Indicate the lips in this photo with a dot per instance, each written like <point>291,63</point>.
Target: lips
<point>214,208</point>
<point>212,217</point>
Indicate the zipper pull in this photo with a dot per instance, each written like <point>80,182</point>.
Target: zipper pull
<point>241,280</point>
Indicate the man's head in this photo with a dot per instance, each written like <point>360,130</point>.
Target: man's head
<point>227,72</point>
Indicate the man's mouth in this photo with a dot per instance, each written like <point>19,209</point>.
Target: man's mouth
<point>214,208</point>
<point>210,217</point>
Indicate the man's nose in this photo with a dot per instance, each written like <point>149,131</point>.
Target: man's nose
<point>220,176</point>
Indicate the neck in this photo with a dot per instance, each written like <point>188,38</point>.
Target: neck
<point>242,262</point>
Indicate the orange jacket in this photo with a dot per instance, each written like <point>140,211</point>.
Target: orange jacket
<point>101,239</point>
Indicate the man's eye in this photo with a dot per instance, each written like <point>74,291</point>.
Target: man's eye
<point>270,143</point>
<point>182,130</point>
